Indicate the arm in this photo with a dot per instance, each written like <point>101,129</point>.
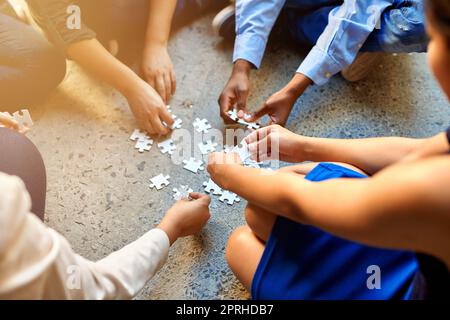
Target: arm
<point>370,155</point>
<point>402,207</point>
<point>349,26</point>
<point>254,22</point>
<point>149,109</point>
<point>157,66</point>
<point>33,257</point>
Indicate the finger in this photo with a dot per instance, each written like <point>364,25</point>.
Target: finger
<point>160,88</point>
<point>168,87</point>
<point>200,197</point>
<point>262,111</point>
<point>147,126</point>
<point>241,102</point>
<point>173,80</point>
<point>9,122</point>
<point>226,104</point>
<point>158,126</point>
<point>258,134</point>
<point>166,117</point>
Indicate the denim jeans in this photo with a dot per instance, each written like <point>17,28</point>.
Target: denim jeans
<point>30,67</point>
<point>402,27</point>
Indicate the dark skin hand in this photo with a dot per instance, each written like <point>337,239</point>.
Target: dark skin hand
<point>279,106</point>
<point>236,90</point>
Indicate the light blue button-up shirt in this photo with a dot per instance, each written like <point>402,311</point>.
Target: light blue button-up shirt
<point>349,25</point>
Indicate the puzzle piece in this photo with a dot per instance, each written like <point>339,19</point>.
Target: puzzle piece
<point>250,125</point>
<point>242,151</point>
<point>252,164</point>
<point>193,165</point>
<point>207,147</point>
<point>233,114</point>
<point>201,125</point>
<point>182,192</point>
<point>229,197</point>
<point>139,135</point>
<point>177,124</point>
<point>144,145</point>
<point>23,118</point>
<point>167,146</point>
<point>212,187</point>
<point>159,182</point>
<point>227,149</point>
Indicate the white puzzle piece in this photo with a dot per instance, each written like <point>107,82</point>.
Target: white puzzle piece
<point>212,188</point>
<point>159,182</point>
<point>250,125</point>
<point>145,145</point>
<point>201,125</point>
<point>229,197</point>
<point>182,193</point>
<point>167,146</point>
<point>207,147</point>
<point>23,118</point>
<point>139,135</point>
<point>193,165</point>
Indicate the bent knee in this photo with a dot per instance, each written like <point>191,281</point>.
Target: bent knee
<point>236,242</point>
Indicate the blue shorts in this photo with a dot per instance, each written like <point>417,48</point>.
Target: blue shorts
<point>303,262</point>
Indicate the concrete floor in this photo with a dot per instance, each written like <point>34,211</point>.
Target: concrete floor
<point>98,194</point>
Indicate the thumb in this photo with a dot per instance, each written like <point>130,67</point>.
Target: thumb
<point>262,111</point>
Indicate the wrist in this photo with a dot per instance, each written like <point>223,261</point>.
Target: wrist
<point>151,44</point>
<point>242,66</point>
<point>170,230</point>
<point>298,84</point>
<point>131,84</point>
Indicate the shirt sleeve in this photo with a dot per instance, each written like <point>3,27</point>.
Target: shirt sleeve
<point>349,26</point>
<point>36,262</point>
<point>52,17</point>
<point>254,22</point>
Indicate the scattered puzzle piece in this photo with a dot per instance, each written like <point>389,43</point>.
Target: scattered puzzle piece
<point>212,187</point>
<point>139,135</point>
<point>159,182</point>
<point>207,147</point>
<point>145,145</point>
<point>201,125</point>
<point>229,197</point>
<point>193,165</point>
<point>23,118</point>
<point>182,192</point>
<point>167,146</point>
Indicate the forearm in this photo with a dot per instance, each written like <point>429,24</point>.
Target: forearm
<point>93,57</point>
<point>370,155</point>
<point>159,22</point>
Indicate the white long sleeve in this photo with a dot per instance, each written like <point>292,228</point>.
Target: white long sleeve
<point>36,262</point>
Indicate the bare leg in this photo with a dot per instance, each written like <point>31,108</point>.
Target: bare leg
<point>246,244</point>
<point>19,157</point>
<point>243,253</point>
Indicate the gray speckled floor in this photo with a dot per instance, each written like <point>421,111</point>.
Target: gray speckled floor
<point>98,195</point>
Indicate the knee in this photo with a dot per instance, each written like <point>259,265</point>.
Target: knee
<point>50,64</point>
<point>236,242</point>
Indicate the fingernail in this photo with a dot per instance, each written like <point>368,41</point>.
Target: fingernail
<point>248,116</point>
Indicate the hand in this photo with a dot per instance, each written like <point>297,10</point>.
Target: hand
<point>236,91</point>
<point>279,105</point>
<point>217,164</point>
<point>186,217</point>
<point>9,122</point>
<point>149,109</point>
<point>262,142</point>
<point>158,71</point>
